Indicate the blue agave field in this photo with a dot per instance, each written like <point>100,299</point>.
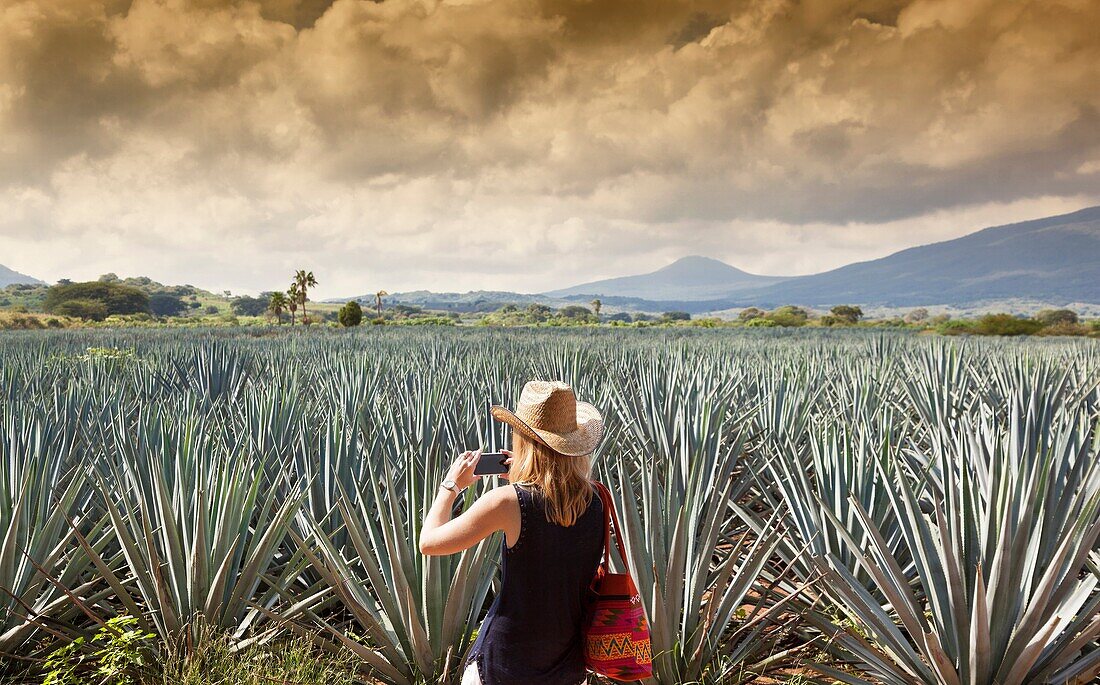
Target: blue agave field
<point>818,506</point>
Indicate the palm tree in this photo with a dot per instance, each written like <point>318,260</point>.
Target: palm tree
<point>277,305</point>
<point>596,304</point>
<point>303,281</point>
<point>378,300</point>
<point>293,296</point>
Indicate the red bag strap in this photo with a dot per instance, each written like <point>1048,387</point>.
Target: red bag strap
<point>609,516</point>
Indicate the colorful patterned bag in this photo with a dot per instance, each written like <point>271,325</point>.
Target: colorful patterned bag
<point>616,634</point>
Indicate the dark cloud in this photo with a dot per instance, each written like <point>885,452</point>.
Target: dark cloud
<point>629,116</point>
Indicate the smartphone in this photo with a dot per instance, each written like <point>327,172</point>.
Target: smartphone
<point>491,464</point>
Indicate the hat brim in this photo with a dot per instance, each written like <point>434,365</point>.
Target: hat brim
<point>577,443</point>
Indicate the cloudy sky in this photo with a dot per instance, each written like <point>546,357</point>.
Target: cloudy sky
<point>529,144</point>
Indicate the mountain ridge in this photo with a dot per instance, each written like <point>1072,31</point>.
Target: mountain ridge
<point>1051,259</point>
<point>1056,259</point>
<point>693,277</point>
<point>12,277</point>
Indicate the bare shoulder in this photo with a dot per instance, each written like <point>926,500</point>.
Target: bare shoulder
<point>502,497</point>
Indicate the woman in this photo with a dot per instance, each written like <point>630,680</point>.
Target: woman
<point>553,535</point>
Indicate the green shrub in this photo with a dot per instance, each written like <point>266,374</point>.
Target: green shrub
<point>789,316</point>
<point>21,322</point>
<point>1053,317</point>
<point>760,323</point>
<point>113,297</point>
<point>426,321</point>
<point>89,310</point>
<point>250,306</point>
<point>955,327</point>
<point>848,314</point>
<point>118,654</point>
<point>351,314</point>
<point>1006,324</point>
<point>1064,329</point>
<point>164,304</point>
<point>577,313</point>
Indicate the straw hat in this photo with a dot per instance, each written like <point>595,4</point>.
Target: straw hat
<point>549,412</point>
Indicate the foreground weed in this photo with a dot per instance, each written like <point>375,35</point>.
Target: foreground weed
<point>217,659</point>
<point>118,654</point>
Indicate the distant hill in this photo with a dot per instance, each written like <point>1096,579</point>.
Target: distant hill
<point>687,279</point>
<point>9,277</point>
<point>1054,260</point>
<point>473,301</point>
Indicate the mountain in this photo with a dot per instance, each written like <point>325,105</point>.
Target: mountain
<point>1054,260</point>
<point>687,279</point>
<point>9,277</point>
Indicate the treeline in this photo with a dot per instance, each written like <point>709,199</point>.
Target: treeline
<point>142,301</point>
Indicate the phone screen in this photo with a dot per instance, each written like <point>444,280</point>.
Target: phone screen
<point>491,463</point>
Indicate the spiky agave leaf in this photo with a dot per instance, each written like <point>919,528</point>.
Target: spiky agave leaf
<point>199,527</point>
<point>676,473</point>
<point>1001,592</point>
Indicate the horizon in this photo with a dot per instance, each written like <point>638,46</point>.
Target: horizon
<point>367,292</point>
<point>529,145</point>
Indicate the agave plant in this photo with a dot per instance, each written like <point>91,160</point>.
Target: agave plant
<point>1000,589</point>
<point>42,500</point>
<point>199,526</point>
<point>695,556</point>
<point>414,616</point>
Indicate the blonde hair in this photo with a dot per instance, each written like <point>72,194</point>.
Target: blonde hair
<point>563,482</point>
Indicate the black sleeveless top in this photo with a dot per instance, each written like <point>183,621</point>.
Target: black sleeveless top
<point>532,633</point>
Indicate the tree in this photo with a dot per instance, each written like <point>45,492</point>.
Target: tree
<point>1052,317</point>
<point>596,305</point>
<point>669,317</point>
<point>163,304</point>
<point>750,314</point>
<point>378,300</point>
<point>115,298</point>
<point>575,311</point>
<point>277,304</point>
<point>293,295</point>
<point>303,281</point>
<point>351,314</point>
<point>89,310</point>
<point>847,313</point>
<point>538,312</point>
<point>250,306</point>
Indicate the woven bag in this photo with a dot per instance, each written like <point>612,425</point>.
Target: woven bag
<point>616,634</point>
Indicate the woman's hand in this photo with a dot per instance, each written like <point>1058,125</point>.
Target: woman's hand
<point>508,463</point>
<point>462,470</point>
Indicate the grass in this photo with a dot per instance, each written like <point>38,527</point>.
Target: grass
<point>217,660</point>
